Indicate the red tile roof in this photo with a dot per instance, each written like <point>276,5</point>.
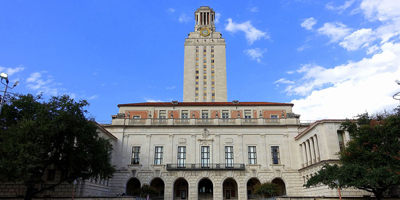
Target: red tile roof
<point>207,104</point>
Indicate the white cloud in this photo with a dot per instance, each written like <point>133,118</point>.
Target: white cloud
<point>335,31</point>
<point>285,81</point>
<point>183,18</point>
<point>385,11</point>
<point>152,100</point>
<point>341,8</point>
<point>358,38</point>
<point>42,85</point>
<point>170,10</point>
<point>372,49</point>
<point>217,17</point>
<point>303,47</point>
<point>252,34</point>
<point>255,54</point>
<point>254,9</point>
<point>11,71</point>
<point>308,23</point>
<point>172,87</point>
<point>349,89</point>
<point>93,97</point>
<point>381,10</point>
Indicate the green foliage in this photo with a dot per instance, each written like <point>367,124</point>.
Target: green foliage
<point>371,160</point>
<point>36,135</point>
<point>146,190</point>
<point>266,189</point>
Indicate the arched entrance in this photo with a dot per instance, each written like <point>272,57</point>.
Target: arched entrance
<point>250,188</point>
<point>205,189</point>
<point>131,187</point>
<point>230,189</point>
<point>181,189</point>
<point>281,186</point>
<point>159,185</point>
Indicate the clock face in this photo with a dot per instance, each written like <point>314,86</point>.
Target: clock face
<point>205,32</point>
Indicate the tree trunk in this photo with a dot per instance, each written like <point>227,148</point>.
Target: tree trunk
<point>29,193</point>
<point>378,195</point>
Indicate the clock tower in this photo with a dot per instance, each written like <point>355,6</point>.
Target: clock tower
<point>205,61</point>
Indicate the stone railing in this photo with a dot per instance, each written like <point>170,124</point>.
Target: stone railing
<point>209,166</point>
<point>206,122</point>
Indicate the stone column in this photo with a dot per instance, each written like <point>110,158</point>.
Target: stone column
<point>317,148</point>
<point>217,149</point>
<point>312,150</point>
<point>308,153</point>
<point>263,150</point>
<point>168,191</point>
<point>305,154</point>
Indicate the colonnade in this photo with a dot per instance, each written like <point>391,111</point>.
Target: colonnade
<point>310,151</point>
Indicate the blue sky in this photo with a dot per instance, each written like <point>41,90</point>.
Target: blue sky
<point>332,59</point>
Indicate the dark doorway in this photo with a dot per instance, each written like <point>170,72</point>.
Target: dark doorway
<point>230,189</point>
<point>159,185</point>
<point>132,186</point>
<point>181,189</point>
<point>205,189</point>
<point>250,188</point>
<point>281,186</point>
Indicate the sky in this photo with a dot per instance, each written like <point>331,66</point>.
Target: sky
<point>331,59</point>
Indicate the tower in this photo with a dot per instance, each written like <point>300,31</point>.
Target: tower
<point>205,61</point>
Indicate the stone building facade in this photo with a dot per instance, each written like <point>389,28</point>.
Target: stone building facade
<point>206,147</point>
<point>220,150</point>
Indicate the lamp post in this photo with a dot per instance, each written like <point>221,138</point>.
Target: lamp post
<point>338,187</point>
<point>4,76</point>
<point>73,189</point>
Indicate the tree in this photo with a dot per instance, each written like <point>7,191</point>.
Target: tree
<point>371,160</point>
<point>37,136</point>
<point>266,189</point>
<point>146,190</point>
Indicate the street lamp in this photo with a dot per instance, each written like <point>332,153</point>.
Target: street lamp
<point>73,188</point>
<point>338,187</point>
<point>4,76</point>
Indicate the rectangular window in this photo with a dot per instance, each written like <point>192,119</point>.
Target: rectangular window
<point>274,118</point>
<point>247,114</point>
<point>225,114</point>
<point>185,113</point>
<point>275,155</point>
<point>340,135</point>
<point>252,155</point>
<point>158,155</point>
<point>181,156</point>
<point>229,156</point>
<point>204,114</point>
<point>135,155</point>
<point>163,114</point>
<point>205,156</point>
